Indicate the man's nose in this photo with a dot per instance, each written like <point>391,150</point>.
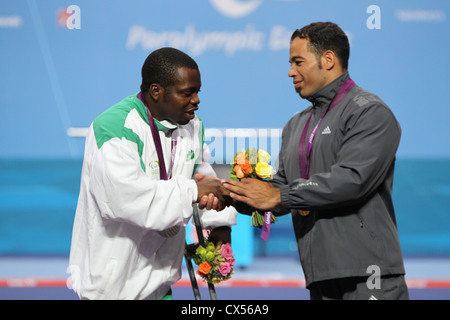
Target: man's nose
<point>292,72</point>
<point>195,99</point>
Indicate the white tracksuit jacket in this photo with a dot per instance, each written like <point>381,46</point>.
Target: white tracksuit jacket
<point>129,229</point>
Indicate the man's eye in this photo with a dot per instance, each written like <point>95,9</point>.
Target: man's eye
<point>190,93</point>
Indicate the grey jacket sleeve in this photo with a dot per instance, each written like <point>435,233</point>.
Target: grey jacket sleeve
<point>279,179</point>
<point>367,152</point>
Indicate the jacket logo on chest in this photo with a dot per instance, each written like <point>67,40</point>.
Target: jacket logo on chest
<point>190,155</point>
<point>154,167</point>
<point>326,130</point>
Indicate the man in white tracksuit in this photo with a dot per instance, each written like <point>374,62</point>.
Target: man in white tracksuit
<point>137,186</point>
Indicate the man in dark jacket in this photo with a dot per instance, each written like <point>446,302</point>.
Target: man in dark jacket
<point>335,176</point>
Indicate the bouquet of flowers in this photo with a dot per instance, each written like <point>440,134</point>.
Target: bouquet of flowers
<point>215,261</point>
<point>253,163</point>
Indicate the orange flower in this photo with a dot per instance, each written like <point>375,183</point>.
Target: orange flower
<point>204,268</point>
<point>243,169</point>
<point>238,170</point>
<point>240,158</point>
<point>246,167</point>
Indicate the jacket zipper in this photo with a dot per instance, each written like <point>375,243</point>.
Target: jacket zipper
<point>363,225</point>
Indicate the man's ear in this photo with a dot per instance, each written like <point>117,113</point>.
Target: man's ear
<point>329,60</point>
<point>156,92</point>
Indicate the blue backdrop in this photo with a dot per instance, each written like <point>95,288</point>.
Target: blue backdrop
<point>64,62</point>
<point>53,77</point>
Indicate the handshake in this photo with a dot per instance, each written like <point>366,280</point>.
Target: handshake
<point>211,193</point>
<point>214,193</point>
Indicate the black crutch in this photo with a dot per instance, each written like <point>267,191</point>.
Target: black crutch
<point>192,276</point>
<point>201,241</point>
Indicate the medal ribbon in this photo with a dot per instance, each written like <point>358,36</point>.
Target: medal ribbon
<point>304,161</point>
<point>156,139</point>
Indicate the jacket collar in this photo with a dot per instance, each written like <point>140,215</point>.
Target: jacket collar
<point>323,96</point>
<point>165,125</point>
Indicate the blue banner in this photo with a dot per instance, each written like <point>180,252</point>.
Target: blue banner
<point>64,62</point>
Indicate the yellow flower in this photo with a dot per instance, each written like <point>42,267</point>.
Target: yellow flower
<point>264,170</point>
<point>263,156</point>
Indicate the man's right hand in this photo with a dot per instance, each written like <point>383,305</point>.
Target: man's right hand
<point>211,193</point>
